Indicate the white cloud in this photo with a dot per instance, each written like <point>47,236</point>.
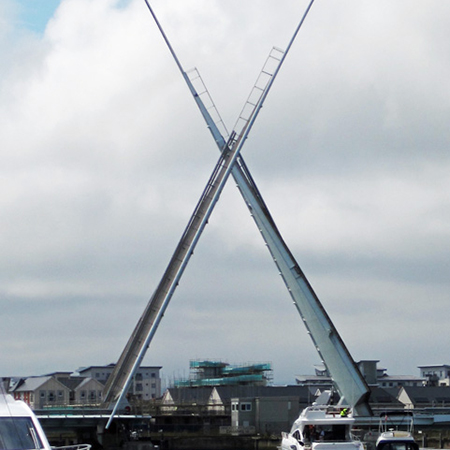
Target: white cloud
<point>104,156</point>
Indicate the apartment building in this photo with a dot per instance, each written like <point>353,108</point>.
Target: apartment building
<point>146,384</point>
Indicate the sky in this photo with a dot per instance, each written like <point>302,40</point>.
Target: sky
<point>104,156</point>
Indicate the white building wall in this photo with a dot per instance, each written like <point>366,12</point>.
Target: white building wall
<point>146,383</point>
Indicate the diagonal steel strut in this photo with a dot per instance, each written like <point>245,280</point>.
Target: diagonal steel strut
<point>141,337</point>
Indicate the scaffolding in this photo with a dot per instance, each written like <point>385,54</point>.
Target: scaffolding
<point>219,373</point>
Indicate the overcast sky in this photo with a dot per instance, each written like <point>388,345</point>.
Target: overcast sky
<point>104,156</point>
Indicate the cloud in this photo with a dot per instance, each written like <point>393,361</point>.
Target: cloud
<point>104,156</point>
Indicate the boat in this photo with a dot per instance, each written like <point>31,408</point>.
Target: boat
<point>396,430</point>
<point>20,428</point>
<point>322,427</point>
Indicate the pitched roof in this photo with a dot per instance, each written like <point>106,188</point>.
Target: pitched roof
<point>88,380</point>
<point>434,365</point>
<point>386,377</point>
<point>428,394</point>
<point>385,396</point>
<point>201,395</point>
<point>72,382</point>
<point>228,392</point>
<point>32,383</point>
<point>111,366</point>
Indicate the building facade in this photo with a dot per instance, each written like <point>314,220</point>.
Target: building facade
<point>41,392</point>
<point>60,389</point>
<point>438,375</point>
<point>374,376</point>
<point>146,384</point>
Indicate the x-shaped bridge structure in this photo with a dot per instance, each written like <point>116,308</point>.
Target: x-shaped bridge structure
<point>332,350</point>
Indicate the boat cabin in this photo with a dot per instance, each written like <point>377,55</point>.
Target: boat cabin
<point>396,431</point>
<point>321,427</point>
<point>19,428</point>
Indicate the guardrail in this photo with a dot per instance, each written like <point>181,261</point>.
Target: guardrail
<point>74,447</point>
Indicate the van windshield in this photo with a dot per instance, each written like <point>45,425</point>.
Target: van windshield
<point>18,433</point>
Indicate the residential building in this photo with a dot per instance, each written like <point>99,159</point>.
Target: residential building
<point>321,378</point>
<point>387,381</point>
<point>195,409</point>
<point>86,391</point>
<point>52,391</point>
<point>248,409</point>
<point>268,410</point>
<point>41,392</point>
<point>373,375</point>
<point>146,384</point>
<point>437,375</point>
<point>63,388</point>
<point>233,409</point>
<point>426,397</point>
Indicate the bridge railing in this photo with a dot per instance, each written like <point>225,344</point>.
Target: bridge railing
<point>74,447</point>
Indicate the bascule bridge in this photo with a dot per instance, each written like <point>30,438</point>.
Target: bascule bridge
<point>349,382</point>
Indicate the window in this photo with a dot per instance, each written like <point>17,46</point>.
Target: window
<point>42,394</point>
<point>51,396</point>
<point>92,395</point>
<point>246,406</point>
<point>138,387</point>
<point>153,375</point>
<point>399,446</point>
<point>60,394</point>
<point>18,433</point>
